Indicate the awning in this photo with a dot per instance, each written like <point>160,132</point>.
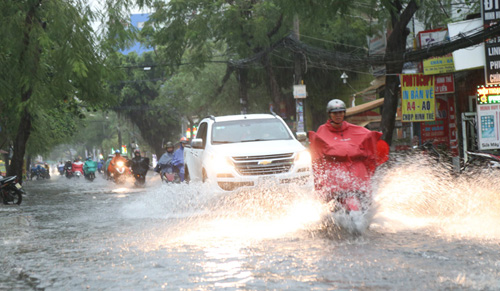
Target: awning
<point>364,107</point>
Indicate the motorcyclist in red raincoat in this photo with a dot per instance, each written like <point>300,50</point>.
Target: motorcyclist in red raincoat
<point>77,166</point>
<point>345,156</point>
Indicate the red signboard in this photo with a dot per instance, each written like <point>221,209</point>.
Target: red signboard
<point>444,84</point>
<point>437,130</point>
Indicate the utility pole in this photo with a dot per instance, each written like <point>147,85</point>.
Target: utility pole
<point>299,101</point>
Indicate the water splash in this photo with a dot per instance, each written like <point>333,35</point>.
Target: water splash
<point>417,192</point>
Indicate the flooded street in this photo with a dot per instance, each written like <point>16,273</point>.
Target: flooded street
<point>78,235</point>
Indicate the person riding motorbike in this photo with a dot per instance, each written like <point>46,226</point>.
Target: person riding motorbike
<point>37,171</point>
<point>100,164</point>
<point>139,166</point>
<point>60,168</point>
<point>106,166</point>
<point>345,156</point>
<point>165,163</point>
<point>47,170</point>
<point>68,169</point>
<point>77,166</point>
<point>89,168</point>
<point>178,158</point>
<point>115,160</point>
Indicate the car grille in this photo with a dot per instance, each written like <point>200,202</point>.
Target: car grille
<point>263,165</point>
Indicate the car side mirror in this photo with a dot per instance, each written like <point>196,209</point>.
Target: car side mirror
<point>197,143</point>
<point>301,136</point>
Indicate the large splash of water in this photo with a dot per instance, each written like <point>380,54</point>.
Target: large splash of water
<point>417,192</point>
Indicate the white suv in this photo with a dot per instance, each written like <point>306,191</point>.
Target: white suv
<point>244,151</point>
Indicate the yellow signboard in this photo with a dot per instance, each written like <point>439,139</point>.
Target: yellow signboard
<point>417,98</point>
<point>439,65</point>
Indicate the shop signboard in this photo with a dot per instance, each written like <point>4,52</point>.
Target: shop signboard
<point>491,15</point>
<point>488,117</point>
<point>437,130</point>
<point>444,84</point>
<point>417,97</point>
<point>440,64</point>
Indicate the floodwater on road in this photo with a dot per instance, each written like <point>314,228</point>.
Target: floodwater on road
<point>430,231</point>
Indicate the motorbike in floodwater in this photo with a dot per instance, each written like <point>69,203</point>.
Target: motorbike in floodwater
<point>139,167</point>
<point>11,191</point>
<point>120,172</point>
<point>170,175</point>
<point>90,176</point>
<point>350,211</point>
<point>68,172</point>
<point>77,174</point>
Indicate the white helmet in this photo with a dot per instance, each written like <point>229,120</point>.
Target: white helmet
<point>335,105</point>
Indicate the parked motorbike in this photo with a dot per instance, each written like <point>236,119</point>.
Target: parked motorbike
<point>11,191</point>
<point>479,160</point>
<point>429,148</point>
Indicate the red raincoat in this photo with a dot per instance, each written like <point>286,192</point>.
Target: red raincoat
<point>345,159</point>
<point>77,167</point>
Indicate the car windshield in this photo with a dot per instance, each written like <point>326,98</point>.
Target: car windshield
<point>249,130</point>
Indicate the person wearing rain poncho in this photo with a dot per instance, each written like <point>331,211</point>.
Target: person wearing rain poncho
<point>345,156</point>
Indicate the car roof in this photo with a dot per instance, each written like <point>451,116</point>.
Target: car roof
<point>243,117</point>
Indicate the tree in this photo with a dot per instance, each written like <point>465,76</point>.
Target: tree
<point>243,33</point>
<point>396,46</point>
<point>49,60</point>
<point>138,91</point>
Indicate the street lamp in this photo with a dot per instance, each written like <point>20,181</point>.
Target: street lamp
<point>344,77</point>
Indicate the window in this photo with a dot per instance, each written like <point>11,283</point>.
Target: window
<point>249,130</point>
<point>202,133</point>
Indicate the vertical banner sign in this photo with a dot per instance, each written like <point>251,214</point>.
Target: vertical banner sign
<point>299,93</point>
<point>488,117</point>
<point>453,127</point>
<point>491,15</point>
<point>417,97</point>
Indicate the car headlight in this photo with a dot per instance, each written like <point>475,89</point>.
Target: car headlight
<point>222,164</point>
<point>303,158</point>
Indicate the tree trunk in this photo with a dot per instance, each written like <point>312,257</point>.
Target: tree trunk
<point>396,46</point>
<point>24,129</point>
<point>23,134</point>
